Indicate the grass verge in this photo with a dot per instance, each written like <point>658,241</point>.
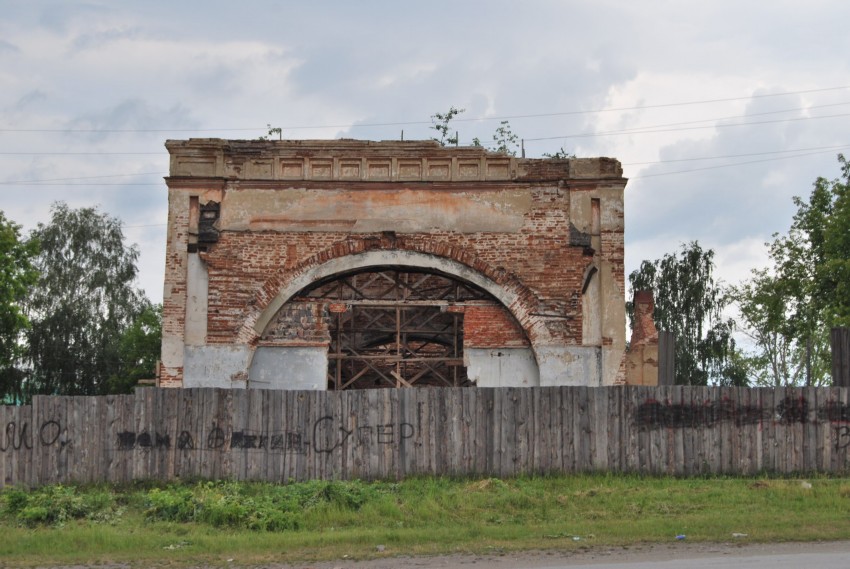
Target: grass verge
<point>253,523</point>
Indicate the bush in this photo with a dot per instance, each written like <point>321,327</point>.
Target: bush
<point>174,503</point>
<point>15,500</point>
<point>255,506</point>
<point>55,505</point>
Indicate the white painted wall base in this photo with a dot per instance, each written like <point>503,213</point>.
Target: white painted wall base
<point>306,368</point>
<point>289,368</point>
<point>501,367</point>
<point>215,366</point>
<point>570,365</point>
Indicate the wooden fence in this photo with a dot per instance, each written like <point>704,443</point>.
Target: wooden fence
<point>840,342</point>
<point>666,358</point>
<point>388,433</point>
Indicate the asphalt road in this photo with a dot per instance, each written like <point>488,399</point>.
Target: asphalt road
<point>790,561</point>
<point>818,555</point>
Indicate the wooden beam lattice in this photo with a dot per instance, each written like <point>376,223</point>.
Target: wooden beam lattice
<point>395,330</point>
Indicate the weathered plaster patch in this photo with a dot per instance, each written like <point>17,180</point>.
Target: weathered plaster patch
<point>366,211</point>
<point>215,366</point>
<point>501,367</point>
<point>289,368</point>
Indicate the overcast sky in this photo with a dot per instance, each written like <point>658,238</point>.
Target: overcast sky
<point>748,102</point>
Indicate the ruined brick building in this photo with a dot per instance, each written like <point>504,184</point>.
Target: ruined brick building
<point>341,264</point>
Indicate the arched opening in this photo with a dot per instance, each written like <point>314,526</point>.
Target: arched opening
<point>392,326</point>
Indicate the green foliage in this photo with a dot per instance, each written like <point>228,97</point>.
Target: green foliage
<point>82,304</point>
<point>174,503</point>
<point>272,130</point>
<point>17,274</point>
<point>56,505</point>
<point>428,516</point>
<point>789,308</point>
<point>262,507</point>
<point>825,221</point>
<point>441,122</point>
<point>689,303</point>
<point>560,154</point>
<point>15,500</point>
<point>138,350</point>
<point>505,139</point>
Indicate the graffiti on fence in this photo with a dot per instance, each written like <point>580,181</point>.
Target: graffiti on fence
<point>15,437</point>
<point>326,435</point>
<point>834,412</point>
<point>842,437</point>
<point>128,440</point>
<point>654,414</point>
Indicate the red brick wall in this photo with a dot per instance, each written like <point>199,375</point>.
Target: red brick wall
<point>539,256</point>
<point>491,327</point>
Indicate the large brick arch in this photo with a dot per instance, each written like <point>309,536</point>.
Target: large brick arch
<point>364,253</point>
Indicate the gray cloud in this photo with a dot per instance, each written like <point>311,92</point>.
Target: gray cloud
<point>720,205</point>
<point>6,47</point>
<point>101,39</point>
<point>132,114</point>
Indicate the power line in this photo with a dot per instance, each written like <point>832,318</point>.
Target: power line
<point>719,166</point>
<point>808,152</point>
<point>655,131</point>
<point>658,106</point>
<point>404,123</point>
<point>637,130</point>
<point>115,184</point>
<point>160,153</point>
<point>82,178</point>
<point>815,148</point>
<point>661,128</point>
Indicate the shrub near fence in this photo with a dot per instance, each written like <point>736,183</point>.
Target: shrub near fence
<point>388,433</point>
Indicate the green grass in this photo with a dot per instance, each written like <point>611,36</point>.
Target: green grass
<point>252,523</point>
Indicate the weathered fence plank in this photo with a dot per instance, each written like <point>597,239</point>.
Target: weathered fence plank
<point>840,339</point>
<point>666,358</point>
<point>281,436</point>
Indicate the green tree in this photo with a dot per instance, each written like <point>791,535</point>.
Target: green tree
<point>82,304</point>
<point>17,274</point>
<point>788,308</point>
<point>790,348</point>
<point>441,122</point>
<point>505,139</point>
<point>826,219</point>
<point>138,350</point>
<point>689,303</point>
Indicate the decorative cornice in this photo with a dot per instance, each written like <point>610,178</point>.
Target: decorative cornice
<point>368,161</point>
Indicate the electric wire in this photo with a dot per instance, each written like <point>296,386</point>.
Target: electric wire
<point>806,152</point>
<point>456,119</point>
<point>651,129</point>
